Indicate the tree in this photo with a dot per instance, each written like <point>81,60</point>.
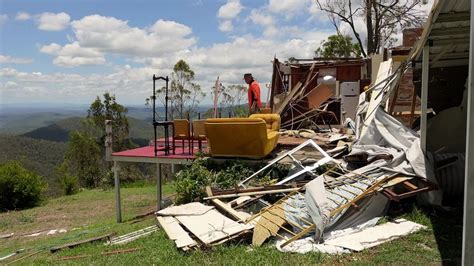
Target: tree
<point>383,18</point>
<point>184,93</point>
<point>338,46</point>
<point>109,109</point>
<point>230,97</point>
<point>83,159</point>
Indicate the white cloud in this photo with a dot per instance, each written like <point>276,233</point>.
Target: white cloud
<point>226,26</point>
<point>6,59</point>
<point>53,21</point>
<point>230,10</point>
<point>52,48</point>
<point>70,61</point>
<point>71,55</point>
<point>168,28</point>
<point>111,35</point>
<point>127,83</point>
<point>287,7</point>
<point>260,18</point>
<point>158,47</point>
<point>22,16</point>
<point>9,85</point>
<point>3,18</point>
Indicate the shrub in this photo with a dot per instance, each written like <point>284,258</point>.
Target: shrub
<point>191,183</point>
<point>19,187</point>
<point>69,184</point>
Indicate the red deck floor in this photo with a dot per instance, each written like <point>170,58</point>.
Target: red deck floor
<point>148,151</point>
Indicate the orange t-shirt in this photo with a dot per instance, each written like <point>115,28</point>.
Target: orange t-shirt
<point>254,94</point>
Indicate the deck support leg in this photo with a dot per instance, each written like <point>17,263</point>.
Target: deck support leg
<point>158,186</point>
<point>118,208</point>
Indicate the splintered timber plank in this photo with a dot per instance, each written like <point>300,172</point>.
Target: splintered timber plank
<point>239,216</point>
<point>175,232</point>
<point>288,98</point>
<point>212,226</point>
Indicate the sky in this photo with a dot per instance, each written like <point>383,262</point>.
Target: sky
<point>68,52</point>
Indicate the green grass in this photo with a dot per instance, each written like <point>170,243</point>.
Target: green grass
<point>92,213</point>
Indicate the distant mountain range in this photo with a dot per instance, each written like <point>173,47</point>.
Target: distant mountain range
<point>140,131</point>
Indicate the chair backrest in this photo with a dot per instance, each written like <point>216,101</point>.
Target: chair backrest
<point>181,128</point>
<point>236,137</point>
<point>199,128</point>
<point>273,121</point>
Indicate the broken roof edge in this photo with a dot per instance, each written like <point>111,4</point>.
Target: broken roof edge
<point>436,10</point>
<point>319,61</point>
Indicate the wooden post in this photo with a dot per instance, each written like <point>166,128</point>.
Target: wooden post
<point>108,140</point>
<point>158,186</point>
<point>118,209</point>
<point>424,95</point>
<point>468,226</point>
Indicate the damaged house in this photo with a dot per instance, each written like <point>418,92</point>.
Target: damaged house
<point>370,131</point>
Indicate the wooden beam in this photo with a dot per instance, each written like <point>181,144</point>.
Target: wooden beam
<point>255,193</point>
<point>235,214</point>
<point>75,244</point>
<point>225,207</point>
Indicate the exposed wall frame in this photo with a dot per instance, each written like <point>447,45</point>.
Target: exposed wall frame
<point>468,226</point>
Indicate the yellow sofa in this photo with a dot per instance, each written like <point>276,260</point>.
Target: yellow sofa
<point>253,137</point>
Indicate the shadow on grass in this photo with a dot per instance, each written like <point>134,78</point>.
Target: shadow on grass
<point>446,224</point>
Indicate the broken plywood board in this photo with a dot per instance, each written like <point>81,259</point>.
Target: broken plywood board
<point>319,95</point>
<point>193,208</point>
<point>268,225</point>
<point>175,232</point>
<point>212,226</point>
<point>376,235</point>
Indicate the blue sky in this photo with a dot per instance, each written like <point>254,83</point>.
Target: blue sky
<point>71,51</point>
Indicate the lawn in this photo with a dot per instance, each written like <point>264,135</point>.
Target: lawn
<point>91,213</point>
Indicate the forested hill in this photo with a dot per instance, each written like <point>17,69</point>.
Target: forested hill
<point>38,155</point>
<point>58,131</point>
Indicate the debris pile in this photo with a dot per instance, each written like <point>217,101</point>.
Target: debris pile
<point>333,195</point>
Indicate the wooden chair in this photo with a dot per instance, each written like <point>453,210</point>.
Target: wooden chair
<point>199,132</point>
<point>181,132</point>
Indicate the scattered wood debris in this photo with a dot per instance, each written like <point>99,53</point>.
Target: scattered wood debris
<point>78,243</point>
<point>108,253</point>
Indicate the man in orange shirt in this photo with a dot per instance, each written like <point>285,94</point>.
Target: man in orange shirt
<point>253,93</point>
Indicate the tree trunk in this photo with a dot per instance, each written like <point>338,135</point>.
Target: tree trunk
<point>370,28</point>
